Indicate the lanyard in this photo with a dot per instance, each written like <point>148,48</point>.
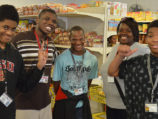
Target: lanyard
<point>151,81</point>
<point>39,45</point>
<point>78,72</point>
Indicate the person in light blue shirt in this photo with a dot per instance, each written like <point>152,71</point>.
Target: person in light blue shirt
<point>73,72</point>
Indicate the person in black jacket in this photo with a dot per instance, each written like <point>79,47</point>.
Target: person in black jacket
<point>12,74</point>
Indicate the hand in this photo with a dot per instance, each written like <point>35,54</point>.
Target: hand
<point>125,51</point>
<point>42,57</point>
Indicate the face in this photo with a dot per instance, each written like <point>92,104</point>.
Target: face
<point>77,42</point>
<point>113,39</point>
<point>7,31</point>
<point>125,35</point>
<point>47,23</point>
<point>152,40</point>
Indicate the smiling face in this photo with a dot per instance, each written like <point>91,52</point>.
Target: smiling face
<point>47,23</point>
<point>7,31</point>
<point>152,40</point>
<point>77,42</point>
<point>125,35</point>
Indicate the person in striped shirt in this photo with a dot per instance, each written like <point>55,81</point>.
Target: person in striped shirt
<point>36,104</point>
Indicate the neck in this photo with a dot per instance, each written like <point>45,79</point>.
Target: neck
<point>76,52</point>
<point>40,34</point>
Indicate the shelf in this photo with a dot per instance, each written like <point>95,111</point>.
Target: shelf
<point>144,21</point>
<point>28,16</point>
<point>114,17</point>
<point>96,12</point>
<point>96,49</point>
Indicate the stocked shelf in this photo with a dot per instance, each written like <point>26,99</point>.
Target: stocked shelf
<point>96,12</point>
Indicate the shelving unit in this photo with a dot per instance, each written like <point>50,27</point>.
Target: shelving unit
<point>90,19</point>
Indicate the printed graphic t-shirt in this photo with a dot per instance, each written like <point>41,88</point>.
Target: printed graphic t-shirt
<point>71,79</point>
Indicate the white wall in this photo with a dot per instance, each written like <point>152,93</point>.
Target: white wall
<point>146,4</point>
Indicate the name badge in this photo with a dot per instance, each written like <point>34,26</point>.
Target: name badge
<point>78,91</point>
<point>5,99</point>
<point>44,79</point>
<point>151,107</point>
<point>110,79</point>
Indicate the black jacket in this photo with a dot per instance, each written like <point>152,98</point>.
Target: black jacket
<point>16,78</point>
<point>65,109</point>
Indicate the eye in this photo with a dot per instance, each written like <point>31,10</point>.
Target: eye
<point>5,27</point>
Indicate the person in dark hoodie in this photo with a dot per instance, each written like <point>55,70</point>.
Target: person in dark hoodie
<point>73,72</point>
<point>12,73</point>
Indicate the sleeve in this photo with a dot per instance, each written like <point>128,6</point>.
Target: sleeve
<point>94,70</point>
<point>57,74</point>
<point>27,80</point>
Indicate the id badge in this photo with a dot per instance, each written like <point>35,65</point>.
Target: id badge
<point>78,91</point>
<point>151,107</point>
<point>110,79</point>
<point>5,99</point>
<point>44,79</point>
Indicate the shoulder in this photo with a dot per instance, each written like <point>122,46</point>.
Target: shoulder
<point>91,56</point>
<point>63,55</point>
<point>22,36</point>
<point>141,59</point>
<point>141,47</point>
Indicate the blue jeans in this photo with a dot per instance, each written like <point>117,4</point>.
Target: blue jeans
<point>79,113</point>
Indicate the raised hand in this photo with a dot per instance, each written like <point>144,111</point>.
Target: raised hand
<point>125,51</point>
<point>42,57</point>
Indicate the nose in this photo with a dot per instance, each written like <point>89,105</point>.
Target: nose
<point>10,32</point>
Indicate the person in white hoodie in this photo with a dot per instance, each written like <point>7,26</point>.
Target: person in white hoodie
<point>128,34</point>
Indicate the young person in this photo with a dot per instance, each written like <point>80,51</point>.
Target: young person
<point>140,77</point>
<point>73,72</point>
<point>36,104</point>
<point>12,73</point>
<point>128,34</point>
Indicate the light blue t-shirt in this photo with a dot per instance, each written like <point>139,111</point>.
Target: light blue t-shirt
<point>65,71</point>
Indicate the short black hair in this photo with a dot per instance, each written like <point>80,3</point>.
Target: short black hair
<point>47,10</point>
<point>9,12</point>
<point>152,24</point>
<point>133,25</point>
<point>76,28</point>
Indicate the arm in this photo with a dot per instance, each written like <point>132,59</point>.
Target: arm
<point>122,52</point>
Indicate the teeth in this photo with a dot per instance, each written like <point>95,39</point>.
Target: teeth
<point>155,46</point>
<point>123,37</point>
<point>48,28</point>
